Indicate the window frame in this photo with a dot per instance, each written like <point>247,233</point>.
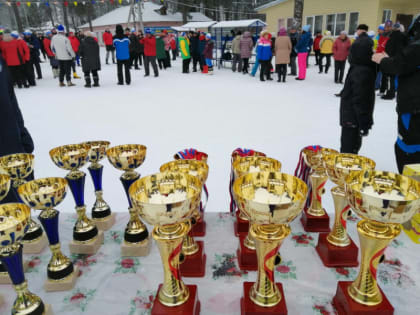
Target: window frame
<point>334,23</point>
<point>322,23</point>
<point>390,15</point>
<point>357,23</point>
<point>335,26</point>
<point>313,22</point>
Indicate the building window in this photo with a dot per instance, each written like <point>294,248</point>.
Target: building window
<point>319,19</point>
<point>336,23</point>
<point>354,21</point>
<point>310,21</point>
<point>330,23</point>
<point>386,15</point>
<point>280,24</point>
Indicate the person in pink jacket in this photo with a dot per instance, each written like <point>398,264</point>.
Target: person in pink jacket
<point>341,50</point>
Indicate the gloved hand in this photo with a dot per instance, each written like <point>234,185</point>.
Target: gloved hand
<point>364,132</point>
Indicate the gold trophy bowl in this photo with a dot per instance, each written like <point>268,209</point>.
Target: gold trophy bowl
<point>167,200</point>
<point>17,166</point>
<point>14,223</point>
<point>70,157</point>
<point>44,193</point>
<point>127,157</point>
<point>384,200</point>
<point>271,200</point>
<point>97,150</point>
<point>5,182</point>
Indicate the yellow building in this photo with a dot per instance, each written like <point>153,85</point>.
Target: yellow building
<point>338,15</point>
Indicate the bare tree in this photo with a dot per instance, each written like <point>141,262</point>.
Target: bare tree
<point>298,13</point>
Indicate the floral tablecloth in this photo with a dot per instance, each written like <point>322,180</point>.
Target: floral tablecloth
<point>110,285</point>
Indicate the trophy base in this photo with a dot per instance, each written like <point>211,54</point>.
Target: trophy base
<point>4,276</point>
<point>87,249</point>
<point>35,247</point>
<point>194,266</point>
<point>191,307</point>
<point>315,224</point>
<point>247,258</point>
<point>345,305</point>
<point>335,256</point>
<point>199,229</point>
<point>240,226</point>
<point>105,225</point>
<point>136,250</point>
<point>65,284</point>
<point>250,308</point>
<point>48,310</point>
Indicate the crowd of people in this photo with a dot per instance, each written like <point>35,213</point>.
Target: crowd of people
<point>388,62</point>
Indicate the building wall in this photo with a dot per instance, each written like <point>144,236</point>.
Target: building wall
<point>283,10</point>
<point>409,7</point>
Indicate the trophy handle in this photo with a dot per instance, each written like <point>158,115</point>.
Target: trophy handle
<point>374,238</point>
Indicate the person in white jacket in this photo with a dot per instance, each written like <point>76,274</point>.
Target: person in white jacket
<point>64,53</point>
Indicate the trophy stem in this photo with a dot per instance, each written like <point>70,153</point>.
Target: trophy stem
<point>169,239</point>
<point>268,239</point>
<point>84,231</point>
<point>100,210</point>
<point>34,231</point>
<point>374,238</point>
<point>249,241</point>
<point>317,183</point>
<point>338,236</point>
<point>135,231</point>
<point>189,246</point>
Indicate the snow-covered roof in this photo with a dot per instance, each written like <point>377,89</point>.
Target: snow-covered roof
<point>239,23</point>
<point>269,5</point>
<point>150,14</point>
<point>195,25</point>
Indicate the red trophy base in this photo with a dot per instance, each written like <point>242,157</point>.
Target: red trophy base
<point>313,223</point>
<point>191,307</point>
<point>335,256</point>
<point>194,266</point>
<point>199,228</point>
<point>345,305</point>
<point>247,258</point>
<point>240,226</point>
<point>250,308</point>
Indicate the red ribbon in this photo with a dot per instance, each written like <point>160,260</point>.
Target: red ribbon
<point>268,271</point>
<point>373,270</point>
<point>174,271</point>
<point>318,194</point>
<point>343,221</point>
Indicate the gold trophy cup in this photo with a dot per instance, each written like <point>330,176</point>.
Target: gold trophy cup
<point>5,183</point>
<point>19,167</point>
<point>247,257</point>
<point>336,249</point>
<point>384,201</point>
<point>194,263</point>
<point>127,158</point>
<point>45,194</point>
<point>86,237</point>
<point>101,212</point>
<point>14,223</point>
<point>167,201</point>
<point>271,200</point>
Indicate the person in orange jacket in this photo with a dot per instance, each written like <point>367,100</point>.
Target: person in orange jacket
<point>14,55</point>
<point>75,44</point>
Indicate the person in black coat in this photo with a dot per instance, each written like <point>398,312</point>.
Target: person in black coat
<point>91,61</point>
<point>293,54</point>
<point>34,47</point>
<point>195,51</point>
<point>358,94</point>
<point>396,43</point>
<point>135,49</point>
<point>406,65</point>
<point>14,137</point>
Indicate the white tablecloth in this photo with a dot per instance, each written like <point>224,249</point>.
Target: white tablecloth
<point>109,285</point>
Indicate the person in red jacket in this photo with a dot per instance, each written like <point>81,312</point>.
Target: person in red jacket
<point>341,50</point>
<point>14,55</point>
<point>173,46</point>
<point>75,44</point>
<point>28,75</point>
<point>149,43</point>
<point>382,42</point>
<point>108,41</point>
<point>317,49</point>
<point>47,47</point>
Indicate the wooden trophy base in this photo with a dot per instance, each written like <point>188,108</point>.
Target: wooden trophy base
<point>4,276</point>
<point>87,249</point>
<point>194,266</point>
<point>250,308</point>
<point>136,250</point>
<point>62,285</point>
<point>247,258</point>
<point>199,229</point>
<point>240,226</point>
<point>315,224</point>
<point>36,247</point>
<point>191,307</point>
<point>345,305</point>
<point>105,225</point>
<point>335,256</point>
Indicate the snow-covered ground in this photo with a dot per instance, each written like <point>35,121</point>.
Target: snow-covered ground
<point>214,114</point>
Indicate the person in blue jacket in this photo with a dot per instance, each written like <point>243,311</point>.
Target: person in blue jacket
<point>264,55</point>
<point>302,49</point>
<point>122,48</point>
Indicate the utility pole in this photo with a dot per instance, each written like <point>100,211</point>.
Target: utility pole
<point>17,16</point>
<point>141,26</point>
<point>66,20</point>
<point>89,14</point>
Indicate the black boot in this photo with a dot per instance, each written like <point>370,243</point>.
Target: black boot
<point>95,81</point>
<point>88,82</point>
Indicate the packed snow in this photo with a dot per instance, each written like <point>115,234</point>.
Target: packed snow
<point>214,114</point>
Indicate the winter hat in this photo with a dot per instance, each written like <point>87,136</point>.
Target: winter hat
<point>327,33</point>
<point>343,33</point>
<point>14,34</point>
<point>282,31</point>
<point>388,23</point>
<point>208,35</point>
<point>47,33</point>
<point>363,27</point>
<point>381,27</point>
<point>60,28</point>
<point>306,28</point>
<point>119,30</point>
<point>27,32</point>
<point>148,31</point>
<point>371,34</point>
<point>183,34</point>
<point>133,30</point>
<point>396,26</point>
